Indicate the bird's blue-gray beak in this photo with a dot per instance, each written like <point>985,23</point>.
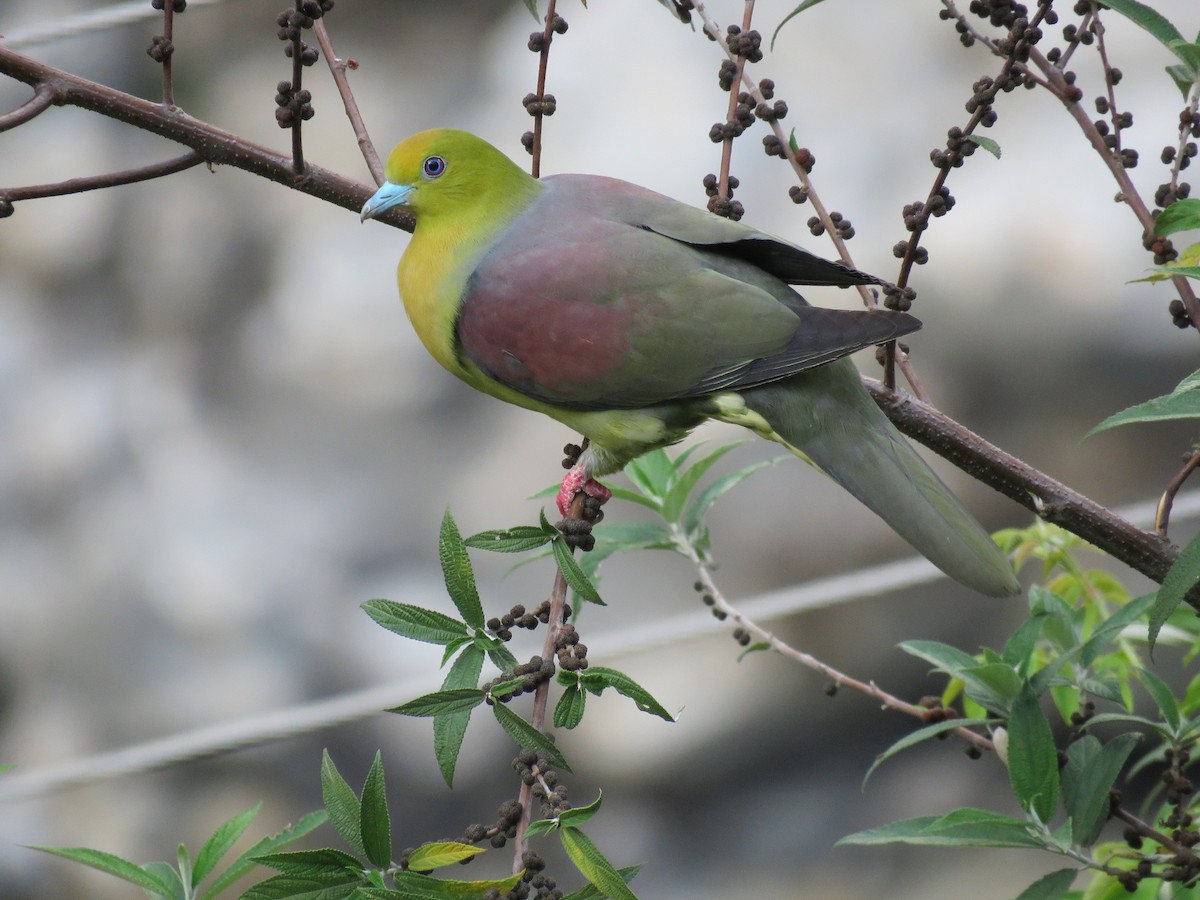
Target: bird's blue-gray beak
<point>386,197</point>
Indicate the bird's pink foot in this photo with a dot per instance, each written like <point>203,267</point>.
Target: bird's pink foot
<point>578,479</point>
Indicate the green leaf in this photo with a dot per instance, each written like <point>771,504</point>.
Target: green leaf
<point>1032,757</point>
<point>594,865</point>
<point>948,659</point>
<point>184,875</point>
<point>985,142</point>
<point>651,473</point>
<point>441,702</point>
<point>528,736</point>
<point>597,678</point>
<point>414,622</point>
<point>220,842</point>
<point>916,737</point>
<point>326,863</point>
<point>1180,578</point>
<point>1182,215</point>
<point>1019,647</point>
<point>589,891</point>
<point>1091,770</point>
<point>577,815</point>
<point>1111,628</point>
<point>415,886</point>
<point>1148,19</point>
<point>1053,886</point>
<point>113,865</point>
<point>807,4</point>
<point>342,804</point>
<point>573,574</point>
<point>687,480</point>
<point>512,540</point>
<point>436,854</point>
<point>995,685</point>
<point>531,5</point>
<point>965,827</point>
<point>450,728</point>
<point>299,887</point>
<point>698,510</point>
<point>568,712</point>
<point>1163,697</point>
<point>460,577</point>
<point>1181,403</point>
<point>376,824</point>
<point>245,862</point>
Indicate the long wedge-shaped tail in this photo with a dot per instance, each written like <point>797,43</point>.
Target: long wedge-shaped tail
<point>826,416</point>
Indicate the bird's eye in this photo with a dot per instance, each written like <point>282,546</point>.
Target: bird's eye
<point>433,166</point>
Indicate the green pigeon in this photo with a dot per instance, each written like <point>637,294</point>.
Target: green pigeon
<point>632,318</point>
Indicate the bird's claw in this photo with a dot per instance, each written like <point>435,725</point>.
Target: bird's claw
<point>576,480</point>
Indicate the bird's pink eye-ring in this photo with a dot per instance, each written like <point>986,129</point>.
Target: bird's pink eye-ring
<point>433,166</point>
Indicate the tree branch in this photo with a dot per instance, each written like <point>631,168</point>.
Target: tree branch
<point>214,145</point>
<point>1051,500</point>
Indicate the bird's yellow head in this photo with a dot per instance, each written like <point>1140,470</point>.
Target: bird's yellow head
<point>449,172</point>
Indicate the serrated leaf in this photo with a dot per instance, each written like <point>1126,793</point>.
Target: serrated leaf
<point>948,659</point>
<point>1163,697</point>
<point>501,657</point>
<point>376,823</point>
<point>415,622</point>
<point>1148,19</point>
<point>966,827</point>
<point>1183,575</point>
<point>985,142</point>
<point>415,886</point>
<point>1053,886</point>
<point>269,844</point>
<point>450,728</point>
<point>568,712</point>
<point>1111,628</point>
<point>527,736</point>
<point>916,737</point>
<point>456,569</point>
<point>297,887</point>
<point>589,892</point>
<point>112,865</point>
<point>441,703</point>
<point>593,864</point>
<point>436,854</point>
<point>577,815</point>
<point>1019,647</point>
<point>573,575</point>
<point>1090,772</point>
<point>1032,757</point>
<point>325,863</point>
<point>597,678</point>
<point>511,540</point>
<point>342,804</point>
<point>220,843</point>
<point>1181,403</point>
<point>1182,215</point>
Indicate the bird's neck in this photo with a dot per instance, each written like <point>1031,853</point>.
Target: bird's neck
<point>443,252</point>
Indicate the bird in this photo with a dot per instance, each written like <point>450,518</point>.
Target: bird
<point>632,318</point>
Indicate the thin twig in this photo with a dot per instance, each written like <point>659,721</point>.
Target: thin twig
<point>42,99</point>
<point>888,701</point>
<point>535,167</point>
<point>558,599</point>
<point>337,68</point>
<point>169,51</point>
<point>107,180</point>
<point>214,145</point>
<point>1163,516</point>
<point>1051,500</point>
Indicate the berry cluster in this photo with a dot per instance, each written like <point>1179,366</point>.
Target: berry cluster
<point>518,617</point>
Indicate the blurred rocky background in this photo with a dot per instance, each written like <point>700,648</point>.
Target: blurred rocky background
<point>218,435</point>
